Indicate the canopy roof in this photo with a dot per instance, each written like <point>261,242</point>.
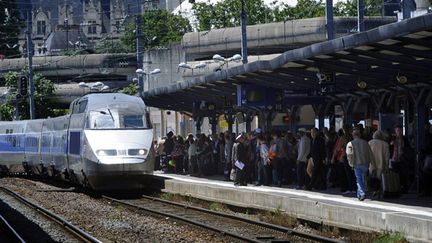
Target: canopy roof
<point>391,58</point>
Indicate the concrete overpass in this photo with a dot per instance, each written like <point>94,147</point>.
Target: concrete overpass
<point>118,70</point>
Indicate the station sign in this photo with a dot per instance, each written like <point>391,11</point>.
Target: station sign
<point>262,97</point>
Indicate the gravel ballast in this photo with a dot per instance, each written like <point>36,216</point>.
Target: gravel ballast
<point>105,221</point>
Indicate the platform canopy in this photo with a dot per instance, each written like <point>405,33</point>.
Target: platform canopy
<point>392,58</point>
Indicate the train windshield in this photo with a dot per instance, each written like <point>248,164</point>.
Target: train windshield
<point>119,116</point>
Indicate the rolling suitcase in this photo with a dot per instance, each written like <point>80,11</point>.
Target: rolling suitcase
<point>390,183</point>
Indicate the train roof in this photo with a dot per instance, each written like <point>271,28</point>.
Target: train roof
<point>102,99</point>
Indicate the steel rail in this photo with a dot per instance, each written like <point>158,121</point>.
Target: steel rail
<point>282,229</point>
<point>62,222</point>
<point>258,223</point>
<point>15,234</point>
<point>226,215</point>
<point>193,222</point>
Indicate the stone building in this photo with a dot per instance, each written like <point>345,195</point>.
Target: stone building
<point>78,24</point>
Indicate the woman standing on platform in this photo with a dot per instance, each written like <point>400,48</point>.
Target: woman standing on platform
<point>381,152</point>
<point>263,173</point>
<point>228,153</point>
<point>338,159</point>
<point>178,154</point>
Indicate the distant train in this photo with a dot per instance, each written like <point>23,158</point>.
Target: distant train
<point>105,143</point>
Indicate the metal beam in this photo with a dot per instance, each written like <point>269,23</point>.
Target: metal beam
<point>403,50</point>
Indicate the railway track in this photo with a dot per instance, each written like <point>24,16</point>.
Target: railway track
<point>8,233</point>
<point>69,228</point>
<point>240,228</point>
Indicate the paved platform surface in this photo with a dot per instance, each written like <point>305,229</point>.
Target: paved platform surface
<point>408,214</point>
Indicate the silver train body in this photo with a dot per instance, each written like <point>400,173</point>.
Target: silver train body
<point>105,143</point>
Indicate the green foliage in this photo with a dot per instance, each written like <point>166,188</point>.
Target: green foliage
<point>227,14</point>
<point>10,25</point>
<point>159,28</point>
<point>131,89</point>
<point>390,238</point>
<point>303,9</point>
<point>167,196</point>
<point>215,206</point>
<point>277,212</point>
<point>112,46</point>
<point>44,89</point>
<point>349,8</point>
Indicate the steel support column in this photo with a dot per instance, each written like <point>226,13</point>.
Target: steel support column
<point>348,107</point>
<point>139,48</point>
<point>198,122</point>
<point>321,121</point>
<point>329,19</point>
<point>421,120</point>
<point>230,120</point>
<point>213,120</point>
<point>243,33</point>
<point>248,119</point>
<point>360,15</point>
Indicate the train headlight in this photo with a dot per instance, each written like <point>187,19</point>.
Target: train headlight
<point>137,152</point>
<point>106,152</point>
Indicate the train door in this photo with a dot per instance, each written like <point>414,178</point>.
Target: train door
<point>58,149</point>
<point>45,146</point>
<point>32,143</point>
<point>75,138</point>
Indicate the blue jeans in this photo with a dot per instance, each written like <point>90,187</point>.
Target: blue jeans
<point>360,174</point>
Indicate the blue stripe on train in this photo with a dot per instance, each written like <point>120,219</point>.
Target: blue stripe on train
<point>11,143</point>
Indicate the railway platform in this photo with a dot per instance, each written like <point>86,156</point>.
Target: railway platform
<point>407,214</point>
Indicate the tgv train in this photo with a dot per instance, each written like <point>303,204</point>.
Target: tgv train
<point>105,143</point>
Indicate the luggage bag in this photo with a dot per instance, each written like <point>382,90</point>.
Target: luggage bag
<point>390,183</point>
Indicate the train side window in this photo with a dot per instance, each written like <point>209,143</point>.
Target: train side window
<point>82,106</point>
<point>75,108</point>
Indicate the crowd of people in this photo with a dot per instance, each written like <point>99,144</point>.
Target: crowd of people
<point>309,159</point>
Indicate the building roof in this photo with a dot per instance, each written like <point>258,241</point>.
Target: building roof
<point>61,40</point>
<point>391,58</point>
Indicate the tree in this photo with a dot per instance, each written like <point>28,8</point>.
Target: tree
<point>44,88</point>
<point>131,89</point>
<point>349,8</point>
<point>159,28</point>
<point>112,46</point>
<point>227,13</point>
<point>303,9</point>
<point>10,26</point>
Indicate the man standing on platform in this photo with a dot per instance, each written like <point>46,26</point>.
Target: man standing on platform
<point>228,155</point>
<point>401,158</point>
<point>318,155</point>
<point>239,157</point>
<point>359,156</point>
<point>303,153</point>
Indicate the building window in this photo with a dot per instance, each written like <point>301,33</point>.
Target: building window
<point>92,27</point>
<point>151,5</point>
<point>117,26</point>
<point>41,27</point>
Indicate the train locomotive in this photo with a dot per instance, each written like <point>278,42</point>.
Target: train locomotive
<point>104,143</point>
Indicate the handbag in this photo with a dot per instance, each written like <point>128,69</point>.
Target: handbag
<point>233,174</point>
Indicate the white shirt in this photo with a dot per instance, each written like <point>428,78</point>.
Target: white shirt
<point>303,148</point>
